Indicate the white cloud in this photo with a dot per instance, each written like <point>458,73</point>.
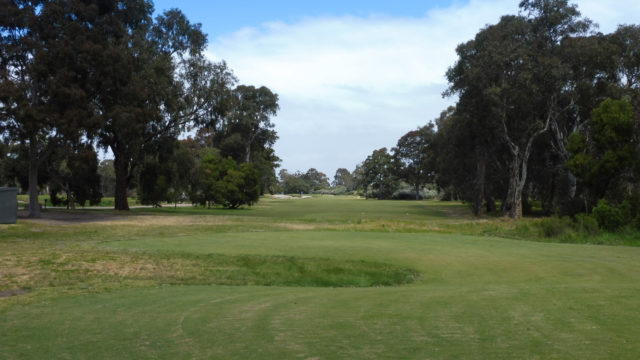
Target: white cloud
<point>349,85</point>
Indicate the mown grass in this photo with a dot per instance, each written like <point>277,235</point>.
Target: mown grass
<point>140,286</point>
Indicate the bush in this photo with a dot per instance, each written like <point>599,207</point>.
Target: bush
<point>406,192</point>
<point>555,226</point>
<point>611,218</point>
<point>586,224</point>
<point>336,190</point>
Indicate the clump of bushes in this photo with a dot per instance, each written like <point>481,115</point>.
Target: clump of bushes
<point>586,224</point>
<point>603,218</point>
<point>407,192</point>
<point>555,226</point>
<point>612,218</point>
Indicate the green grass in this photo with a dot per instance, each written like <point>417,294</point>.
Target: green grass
<point>346,278</point>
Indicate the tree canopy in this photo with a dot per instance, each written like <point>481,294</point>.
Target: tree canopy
<point>107,74</point>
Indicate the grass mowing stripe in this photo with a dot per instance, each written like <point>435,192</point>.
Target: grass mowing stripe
<point>272,322</point>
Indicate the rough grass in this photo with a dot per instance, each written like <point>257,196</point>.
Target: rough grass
<point>139,286</point>
<point>75,269</point>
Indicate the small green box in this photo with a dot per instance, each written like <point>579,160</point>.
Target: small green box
<point>8,205</point>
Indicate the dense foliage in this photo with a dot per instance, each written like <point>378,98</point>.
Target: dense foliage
<point>547,119</point>
<point>78,74</point>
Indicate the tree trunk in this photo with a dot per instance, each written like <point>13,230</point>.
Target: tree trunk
<point>417,190</point>
<point>509,202</point>
<point>516,208</point>
<point>519,166</point>
<point>34,206</point>
<point>479,183</point>
<point>122,182</point>
<point>71,203</point>
<point>247,153</point>
<point>513,205</point>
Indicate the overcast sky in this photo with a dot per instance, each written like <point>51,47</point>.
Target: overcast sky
<point>354,76</point>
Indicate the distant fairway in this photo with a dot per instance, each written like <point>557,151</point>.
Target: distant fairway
<point>152,285</point>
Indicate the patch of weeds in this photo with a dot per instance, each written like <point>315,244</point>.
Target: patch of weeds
<point>554,226</point>
<point>586,224</point>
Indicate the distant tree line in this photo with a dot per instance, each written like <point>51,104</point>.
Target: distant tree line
<point>547,114</point>
<point>79,76</point>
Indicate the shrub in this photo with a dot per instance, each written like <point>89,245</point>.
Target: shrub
<point>611,218</point>
<point>555,226</point>
<point>586,224</point>
<point>405,194</point>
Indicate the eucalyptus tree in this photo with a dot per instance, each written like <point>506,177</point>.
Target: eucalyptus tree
<point>344,177</point>
<point>45,46</point>
<point>627,40</point>
<point>293,183</point>
<point>377,172</point>
<point>239,124</point>
<point>247,127</point>
<point>469,155</point>
<point>143,91</point>
<point>511,76</point>
<point>604,152</point>
<point>316,179</point>
<point>414,154</point>
<point>491,77</point>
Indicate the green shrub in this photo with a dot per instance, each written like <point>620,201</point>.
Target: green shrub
<point>555,226</point>
<point>611,218</point>
<point>586,224</point>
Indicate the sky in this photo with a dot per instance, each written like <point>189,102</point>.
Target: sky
<point>354,76</point>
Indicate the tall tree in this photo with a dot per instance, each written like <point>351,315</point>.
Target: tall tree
<point>316,179</point>
<point>247,127</point>
<point>293,183</point>
<point>143,93</point>
<point>490,79</point>
<point>44,49</point>
<point>344,177</point>
<point>377,172</point>
<point>239,124</point>
<point>415,155</point>
<point>512,73</point>
<point>604,153</point>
